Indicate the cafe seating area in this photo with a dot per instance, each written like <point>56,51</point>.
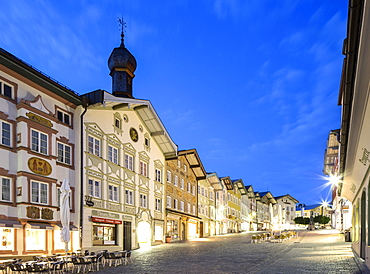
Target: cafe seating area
<point>75,262</point>
<point>273,238</point>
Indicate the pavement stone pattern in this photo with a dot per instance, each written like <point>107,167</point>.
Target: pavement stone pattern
<point>319,251</point>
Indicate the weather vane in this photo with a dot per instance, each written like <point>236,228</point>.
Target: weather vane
<point>122,26</point>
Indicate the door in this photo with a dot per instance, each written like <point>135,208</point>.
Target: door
<point>127,236</point>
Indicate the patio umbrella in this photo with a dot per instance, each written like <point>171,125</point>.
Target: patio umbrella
<point>64,212</point>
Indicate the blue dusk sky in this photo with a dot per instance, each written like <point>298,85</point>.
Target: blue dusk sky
<point>252,85</point>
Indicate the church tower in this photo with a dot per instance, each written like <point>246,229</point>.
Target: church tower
<point>122,65</point>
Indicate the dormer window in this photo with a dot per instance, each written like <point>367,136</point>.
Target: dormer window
<point>117,123</point>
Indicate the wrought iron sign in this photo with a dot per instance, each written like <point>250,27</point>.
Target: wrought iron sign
<point>88,200</point>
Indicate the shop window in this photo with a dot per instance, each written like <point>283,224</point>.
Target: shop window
<point>58,244</point>
<point>39,192</point>
<point>113,154</point>
<point>39,142</point>
<point>6,90</point>
<point>129,197</point>
<point>104,234</point>
<point>94,188</point>
<point>64,117</point>
<point>129,162</point>
<point>94,146</point>
<point>113,193</point>
<point>7,239</point>
<point>35,239</point>
<point>5,133</point>
<point>5,190</point>
<point>64,153</point>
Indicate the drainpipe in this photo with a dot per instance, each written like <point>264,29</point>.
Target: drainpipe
<point>85,102</point>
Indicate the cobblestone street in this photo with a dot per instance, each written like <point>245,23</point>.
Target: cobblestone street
<point>320,251</point>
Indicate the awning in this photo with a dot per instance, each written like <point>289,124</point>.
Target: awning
<point>71,227</point>
<point>10,223</point>
<point>32,225</point>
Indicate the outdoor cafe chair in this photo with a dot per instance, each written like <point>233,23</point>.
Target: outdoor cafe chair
<point>127,257</point>
<point>17,268</point>
<point>37,268</point>
<point>57,267</point>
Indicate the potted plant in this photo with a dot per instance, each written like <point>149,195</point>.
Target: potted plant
<point>168,238</point>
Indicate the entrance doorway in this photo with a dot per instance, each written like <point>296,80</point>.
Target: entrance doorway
<point>127,236</point>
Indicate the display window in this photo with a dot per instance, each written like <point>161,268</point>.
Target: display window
<point>104,234</point>
<point>35,239</point>
<point>172,229</point>
<point>58,244</point>
<point>7,239</point>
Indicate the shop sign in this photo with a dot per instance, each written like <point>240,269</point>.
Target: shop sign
<point>39,119</point>
<point>107,221</point>
<point>88,200</point>
<point>104,214</point>
<point>39,166</point>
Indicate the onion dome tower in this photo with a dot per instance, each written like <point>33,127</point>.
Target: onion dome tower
<point>122,65</point>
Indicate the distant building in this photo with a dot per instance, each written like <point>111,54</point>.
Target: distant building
<point>331,156</point>
<point>285,211</point>
<point>183,174</point>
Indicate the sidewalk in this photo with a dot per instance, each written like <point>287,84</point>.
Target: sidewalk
<point>318,251</point>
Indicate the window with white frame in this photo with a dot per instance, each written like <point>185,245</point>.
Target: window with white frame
<point>193,211</point>
<point>94,188</point>
<point>64,117</point>
<point>182,183</point>
<point>182,206</point>
<point>193,192</point>
<point>129,162</point>
<point>158,175</point>
<point>117,122</point>
<point>143,168</point>
<point>169,176</point>
<point>189,187</point>
<point>39,192</point>
<point>129,197</point>
<point>6,89</point>
<point>113,193</point>
<point>93,145</point>
<point>143,200</point>
<point>211,194</point>
<point>169,200</point>
<point>5,133</point>
<point>178,163</point>
<point>185,168</point>
<point>39,142</point>
<point>158,204</point>
<point>175,203</point>
<point>176,181</point>
<point>5,189</point>
<point>64,153</point>
<point>189,208</point>
<point>113,154</point>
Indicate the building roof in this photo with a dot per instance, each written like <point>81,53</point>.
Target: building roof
<point>287,196</point>
<point>195,163</point>
<point>101,99</point>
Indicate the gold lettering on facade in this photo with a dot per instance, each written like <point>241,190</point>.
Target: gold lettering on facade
<point>39,119</point>
<point>39,166</point>
<point>365,156</point>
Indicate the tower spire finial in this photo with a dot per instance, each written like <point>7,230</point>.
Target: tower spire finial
<point>122,26</point>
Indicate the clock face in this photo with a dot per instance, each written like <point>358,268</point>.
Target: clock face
<point>133,134</point>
